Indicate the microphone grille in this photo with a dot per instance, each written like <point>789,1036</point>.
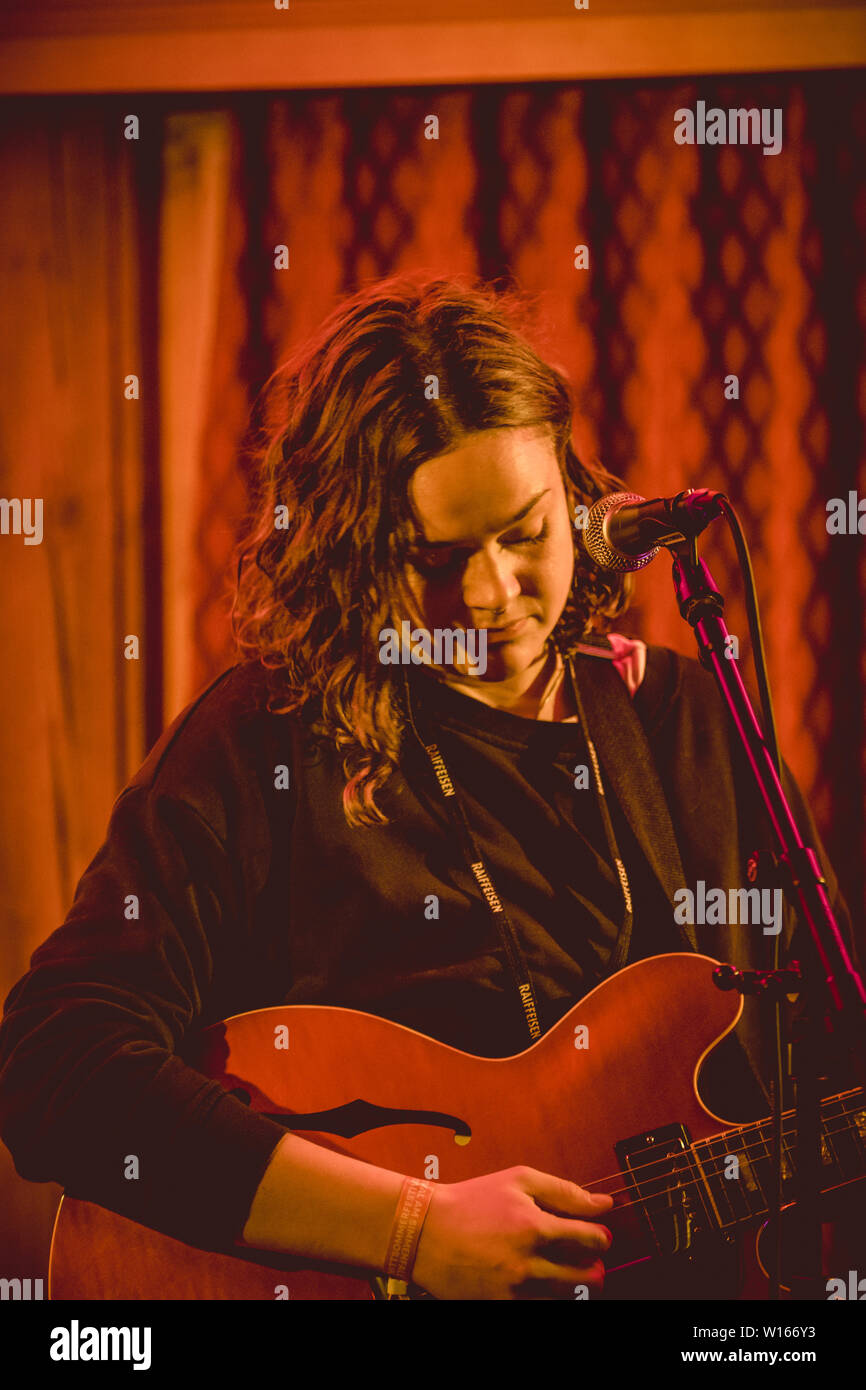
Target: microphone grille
<point>597,546</point>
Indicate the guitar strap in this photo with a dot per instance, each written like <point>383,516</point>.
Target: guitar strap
<point>629,766</point>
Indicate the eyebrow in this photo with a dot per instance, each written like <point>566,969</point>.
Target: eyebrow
<point>518,516</point>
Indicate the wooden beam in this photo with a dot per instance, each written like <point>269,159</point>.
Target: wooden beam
<point>281,56</point>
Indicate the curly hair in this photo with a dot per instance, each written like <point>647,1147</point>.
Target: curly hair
<point>343,424</point>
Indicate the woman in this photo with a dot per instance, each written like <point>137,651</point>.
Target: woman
<point>288,840</point>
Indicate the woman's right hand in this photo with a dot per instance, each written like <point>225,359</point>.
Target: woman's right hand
<point>517,1233</point>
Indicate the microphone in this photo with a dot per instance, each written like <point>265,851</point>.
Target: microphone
<point>624,531</point>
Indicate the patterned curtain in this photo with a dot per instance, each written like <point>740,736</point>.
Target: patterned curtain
<point>705,262</point>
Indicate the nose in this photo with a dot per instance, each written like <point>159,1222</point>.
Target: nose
<point>489,581</point>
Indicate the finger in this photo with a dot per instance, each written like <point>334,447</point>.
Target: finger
<point>546,1280</point>
<point>575,1238</point>
<point>561,1196</point>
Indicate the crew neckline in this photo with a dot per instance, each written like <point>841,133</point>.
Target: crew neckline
<point>464,712</point>
<point>459,710</point>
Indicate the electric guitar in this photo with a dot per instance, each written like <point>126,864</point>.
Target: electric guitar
<point>606,1098</point>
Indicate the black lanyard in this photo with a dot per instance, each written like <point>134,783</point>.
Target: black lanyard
<point>514,955</point>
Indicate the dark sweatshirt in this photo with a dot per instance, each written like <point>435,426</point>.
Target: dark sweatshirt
<point>219,889</point>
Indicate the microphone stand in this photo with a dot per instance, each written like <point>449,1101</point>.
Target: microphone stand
<point>833,990</point>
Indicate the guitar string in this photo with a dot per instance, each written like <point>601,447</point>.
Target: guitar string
<point>642,1200</point>
<point>723,1224</point>
<point>689,1182</point>
<point>760,1142</point>
<point>746,1149</point>
<point>705,1166</point>
<point>712,1158</point>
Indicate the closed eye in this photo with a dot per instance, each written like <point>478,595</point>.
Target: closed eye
<point>532,540</point>
<point>439,560</point>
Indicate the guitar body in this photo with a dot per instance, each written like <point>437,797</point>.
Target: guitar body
<point>621,1064</point>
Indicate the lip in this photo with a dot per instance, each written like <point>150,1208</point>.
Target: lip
<point>505,634</point>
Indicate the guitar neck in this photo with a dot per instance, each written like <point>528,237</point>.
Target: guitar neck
<point>735,1169</point>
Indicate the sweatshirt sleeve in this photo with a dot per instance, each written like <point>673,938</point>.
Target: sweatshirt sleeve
<point>92,1093</point>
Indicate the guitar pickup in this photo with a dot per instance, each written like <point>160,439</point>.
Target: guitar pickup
<point>662,1177</point>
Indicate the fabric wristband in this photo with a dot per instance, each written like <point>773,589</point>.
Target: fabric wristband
<point>415,1198</point>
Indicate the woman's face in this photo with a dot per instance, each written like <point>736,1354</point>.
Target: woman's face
<point>495,547</point>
